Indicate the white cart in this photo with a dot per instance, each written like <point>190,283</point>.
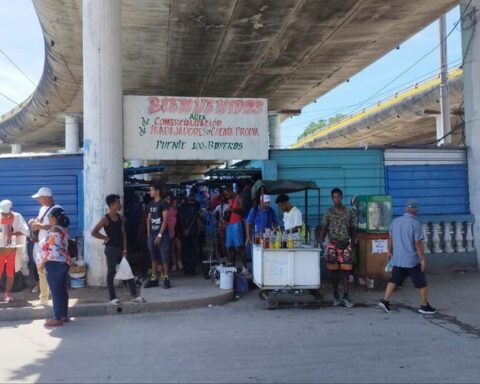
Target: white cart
<point>280,272</point>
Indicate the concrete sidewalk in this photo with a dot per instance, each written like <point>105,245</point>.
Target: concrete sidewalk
<point>453,280</point>
<point>186,292</point>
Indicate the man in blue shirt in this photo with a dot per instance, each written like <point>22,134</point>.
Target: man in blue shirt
<point>261,217</point>
<point>407,256</point>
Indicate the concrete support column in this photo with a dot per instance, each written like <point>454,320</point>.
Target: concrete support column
<point>16,149</point>
<point>72,135</point>
<point>103,122</point>
<point>471,87</point>
<point>274,132</point>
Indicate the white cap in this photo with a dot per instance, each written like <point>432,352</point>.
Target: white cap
<point>265,198</point>
<point>44,191</point>
<point>5,206</point>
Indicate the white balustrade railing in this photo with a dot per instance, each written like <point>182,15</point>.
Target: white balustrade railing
<point>449,237</point>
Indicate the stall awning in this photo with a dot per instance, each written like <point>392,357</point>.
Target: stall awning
<point>235,172</point>
<point>276,187</point>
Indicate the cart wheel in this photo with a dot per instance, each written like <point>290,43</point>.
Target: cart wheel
<point>263,295</point>
<point>272,304</point>
<point>317,294</point>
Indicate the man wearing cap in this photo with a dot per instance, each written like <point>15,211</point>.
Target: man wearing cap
<point>40,224</point>
<point>407,257</point>
<point>16,226</point>
<point>261,217</point>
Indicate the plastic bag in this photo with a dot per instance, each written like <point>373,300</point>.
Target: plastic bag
<point>389,267</point>
<point>124,272</point>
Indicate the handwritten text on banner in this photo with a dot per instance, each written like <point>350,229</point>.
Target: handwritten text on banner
<point>194,128</point>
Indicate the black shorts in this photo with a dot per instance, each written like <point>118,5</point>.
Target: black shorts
<point>418,277</point>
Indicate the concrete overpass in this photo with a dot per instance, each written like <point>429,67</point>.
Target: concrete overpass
<point>289,51</point>
<point>405,118</point>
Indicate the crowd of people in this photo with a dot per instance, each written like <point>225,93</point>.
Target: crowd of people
<point>175,236</point>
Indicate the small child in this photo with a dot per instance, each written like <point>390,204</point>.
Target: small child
<point>115,242</point>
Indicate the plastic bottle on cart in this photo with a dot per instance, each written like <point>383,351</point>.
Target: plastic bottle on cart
<point>272,240</point>
<point>284,240</point>
<point>257,235</point>
<point>278,240</point>
<point>290,241</point>
<point>266,239</point>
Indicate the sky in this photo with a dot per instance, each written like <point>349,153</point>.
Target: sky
<point>350,96</point>
<point>22,40</point>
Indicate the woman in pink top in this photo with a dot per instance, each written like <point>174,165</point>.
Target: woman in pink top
<point>172,225</point>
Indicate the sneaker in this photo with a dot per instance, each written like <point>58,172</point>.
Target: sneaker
<point>8,298</point>
<point>427,309</point>
<point>336,301</point>
<point>166,284</point>
<point>115,302</point>
<point>151,283</point>
<point>35,289</point>
<point>385,305</point>
<point>347,302</point>
<point>245,271</point>
<point>139,299</point>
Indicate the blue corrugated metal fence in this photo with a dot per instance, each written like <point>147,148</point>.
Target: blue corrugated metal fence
<point>20,178</point>
<point>440,189</point>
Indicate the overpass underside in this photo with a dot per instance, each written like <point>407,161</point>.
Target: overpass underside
<point>289,51</point>
<point>408,118</point>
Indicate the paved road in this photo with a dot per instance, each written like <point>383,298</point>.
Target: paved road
<point>244,342</point>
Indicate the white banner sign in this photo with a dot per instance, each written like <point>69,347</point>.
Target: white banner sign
<point>194,128</point>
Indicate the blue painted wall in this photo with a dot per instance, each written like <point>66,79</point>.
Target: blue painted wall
<point>356,172</point>
<point>20,178</point>
<point>439,189</point>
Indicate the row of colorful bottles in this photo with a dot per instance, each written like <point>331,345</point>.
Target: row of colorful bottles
<point>276,239</point>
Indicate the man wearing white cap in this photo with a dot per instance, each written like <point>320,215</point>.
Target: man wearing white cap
<point>40,227</point>
<point>262,217</point>
<point>16,226</point>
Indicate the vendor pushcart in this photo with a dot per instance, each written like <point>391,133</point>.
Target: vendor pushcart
<point>286,265</point>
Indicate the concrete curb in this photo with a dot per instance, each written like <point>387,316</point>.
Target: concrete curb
<point>104,309</point>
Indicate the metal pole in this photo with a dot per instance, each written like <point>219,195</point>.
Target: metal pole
<point>306,216</point>
<point>443,135</point>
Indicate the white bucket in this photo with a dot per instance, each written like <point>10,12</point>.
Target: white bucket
<point>226,278</point>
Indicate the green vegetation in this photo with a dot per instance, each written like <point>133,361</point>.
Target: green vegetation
<point>320,124</point>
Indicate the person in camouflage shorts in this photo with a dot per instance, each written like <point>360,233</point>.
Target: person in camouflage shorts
<point>338,223</point>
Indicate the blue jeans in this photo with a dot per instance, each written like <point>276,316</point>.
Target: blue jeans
<point>57,281</point>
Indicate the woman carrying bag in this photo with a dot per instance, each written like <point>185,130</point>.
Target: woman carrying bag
<point>115,242</point>
<point>56,261</point>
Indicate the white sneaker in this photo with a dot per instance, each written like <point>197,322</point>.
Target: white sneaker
<point>139,299</point>
<point>115,302</point>
<point>245,272</point>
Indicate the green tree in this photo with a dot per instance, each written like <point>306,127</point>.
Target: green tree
<point>320,124</point>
